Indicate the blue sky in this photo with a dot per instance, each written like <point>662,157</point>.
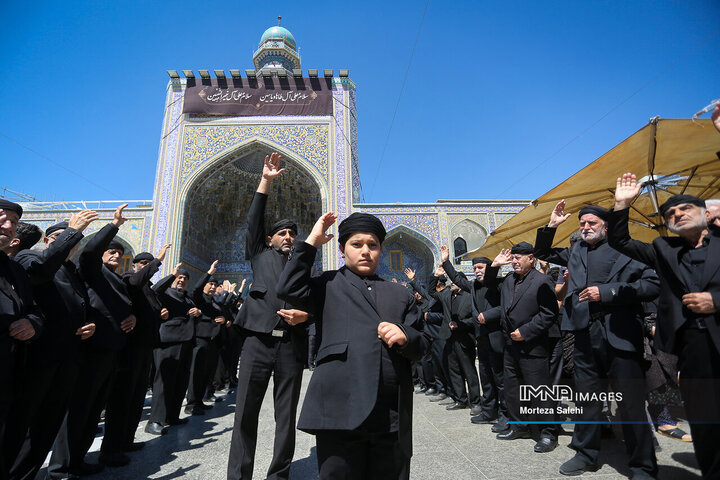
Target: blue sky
<point>494,89</point>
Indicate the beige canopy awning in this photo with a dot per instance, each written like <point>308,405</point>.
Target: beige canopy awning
<point>674,156</point>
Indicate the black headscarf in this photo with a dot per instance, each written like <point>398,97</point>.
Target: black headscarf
<point>676,200</point>
<point>282,225</point>
<point>361,223</point>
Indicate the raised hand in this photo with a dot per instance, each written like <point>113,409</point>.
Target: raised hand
<point>440,271</point>
<point>626,189</point>
<point>558,215</point>
<point>391,334</point>
<point>232,288</point>
<point>213,268</point>
<point>444,253</point>
<point>163,250</point>
<point>118,218</point>
<point>80,220</point>
<point>176,268</point>
<point>318,236</point>
<point>410,274</point>
<point>271,168</point>
<point>716,116</point>
<point>226,285</point>
<point>503,258</point>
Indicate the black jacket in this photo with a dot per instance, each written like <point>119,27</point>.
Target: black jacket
<point>628,284</point>
<point>532,310</point>
<point>344,386</point>
<point>662,255</point>
<point>59,291</point>
<point>485,295</point>
<point>180,326</point>
<point>16,300</point>
<point>145,305</point>
<point>205,326</point>
<point>109,300</point>
<point>465,319</point>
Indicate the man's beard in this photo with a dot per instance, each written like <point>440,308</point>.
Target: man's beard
<point>592,236</point>
<point>701,223</point>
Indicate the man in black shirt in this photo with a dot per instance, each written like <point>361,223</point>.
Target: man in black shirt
<point>688,323</point>
<point>272,346</point>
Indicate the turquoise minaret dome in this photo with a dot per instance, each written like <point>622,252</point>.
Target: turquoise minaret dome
<point>277,50</point>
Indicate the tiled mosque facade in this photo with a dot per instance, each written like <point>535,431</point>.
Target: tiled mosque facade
<point>209,166</point>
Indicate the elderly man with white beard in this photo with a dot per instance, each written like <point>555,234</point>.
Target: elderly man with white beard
<point>688,322</point>
<point>603,308</point>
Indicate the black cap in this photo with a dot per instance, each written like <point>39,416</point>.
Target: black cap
<point>143,256</point>
<point>676,200</point>
<point>12,206</point>
<point>522,248</point>
<point>485,260</point>
<point>594,210</point>
<point>182,271</point>
<point>115,246</point>
<point>54,228</point>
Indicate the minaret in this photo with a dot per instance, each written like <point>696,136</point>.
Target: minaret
<point>277,50</point>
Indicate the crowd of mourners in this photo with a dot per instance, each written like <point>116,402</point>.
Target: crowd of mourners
<point>628,332</point>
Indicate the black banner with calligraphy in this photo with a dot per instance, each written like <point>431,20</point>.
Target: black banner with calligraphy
<point>258,96</point>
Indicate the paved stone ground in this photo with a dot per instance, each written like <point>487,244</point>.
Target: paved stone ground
<point>446,446</point>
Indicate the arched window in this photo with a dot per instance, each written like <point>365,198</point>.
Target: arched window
<point>460,246</point>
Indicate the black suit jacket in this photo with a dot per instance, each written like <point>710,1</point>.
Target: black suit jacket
<point>16,300</point>
<point>109,300</point>
<point>145,305</point>
<point>205,325</point>
<point>532,310</point>
<point>628,284</point>
<point>179,327</point>
<point>60,293</point>
<point>344,386</point>
<point>258,313</point>
<point>466,322</point>
<point>489,294</point>
<point>662,255</point>
<point>432,311</point>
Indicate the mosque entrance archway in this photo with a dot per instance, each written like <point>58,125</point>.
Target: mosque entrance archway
<point>404,248</point>
<point>215,209</point>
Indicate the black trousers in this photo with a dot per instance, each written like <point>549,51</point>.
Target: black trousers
<point>521,369</point>
<point>86,403</point>
<point>460,358</point>
<point>46,400</point>
<point>354,455</point>
<point>263,356</point>
<point>598,366</point>
<point>128,384</point>
<point>437,349</point>
<point>490,368</point>
<point>7,387</point>
<point>699,365</point>
<point>205,356</point>
<point>172,374</point>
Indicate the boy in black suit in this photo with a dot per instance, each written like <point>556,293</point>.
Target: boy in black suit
<point>359,401</point>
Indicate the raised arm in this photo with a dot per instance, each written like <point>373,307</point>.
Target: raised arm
<point>618,234</point>
<point>452,274</point>
<point>256,241</point>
